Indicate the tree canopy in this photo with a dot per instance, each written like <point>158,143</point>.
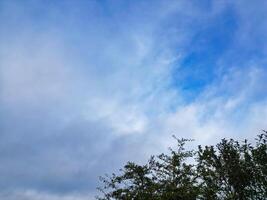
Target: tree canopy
<point>228,170</point>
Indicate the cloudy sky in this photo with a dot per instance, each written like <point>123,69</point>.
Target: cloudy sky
<point>86,85</point>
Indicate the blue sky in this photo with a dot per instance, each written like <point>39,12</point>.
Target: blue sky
<point>87,85</point>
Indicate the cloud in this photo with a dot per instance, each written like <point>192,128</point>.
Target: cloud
<point>34,195</point>
<point>85,87</point>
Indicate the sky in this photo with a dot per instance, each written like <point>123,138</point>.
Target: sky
<point>87,85</point>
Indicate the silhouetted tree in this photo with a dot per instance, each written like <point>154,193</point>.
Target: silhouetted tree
<point>229,170</point>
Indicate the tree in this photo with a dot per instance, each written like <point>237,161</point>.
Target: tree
<point>228,170</point>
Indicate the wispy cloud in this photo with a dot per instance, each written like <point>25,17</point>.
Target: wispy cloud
<point>87,86</point>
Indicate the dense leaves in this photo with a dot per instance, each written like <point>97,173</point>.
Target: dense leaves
<point>229,170</point>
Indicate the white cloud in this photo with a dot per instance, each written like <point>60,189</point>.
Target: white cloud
<point>35,195</point>
<point>82,94</point>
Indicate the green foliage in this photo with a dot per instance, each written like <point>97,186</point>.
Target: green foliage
<point>229,170</point>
